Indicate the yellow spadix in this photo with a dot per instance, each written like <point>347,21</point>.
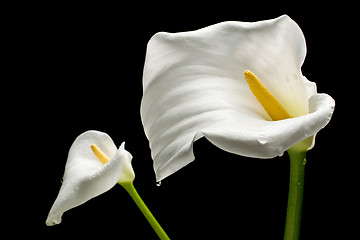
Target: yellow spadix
<point>99,154</point>
<point>271,105</point>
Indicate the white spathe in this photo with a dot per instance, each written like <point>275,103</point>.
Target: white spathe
<point>86,177</point>
<point>194,86</point>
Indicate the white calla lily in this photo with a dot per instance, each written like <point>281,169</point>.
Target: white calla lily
<point>194,86</point>
<point>86,176</point>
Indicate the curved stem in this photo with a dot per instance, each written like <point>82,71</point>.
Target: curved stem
<point>144,209</point>
<point>295,199</point>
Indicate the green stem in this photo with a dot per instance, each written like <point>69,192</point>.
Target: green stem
<point>295,199</point>
<point>144,209</point>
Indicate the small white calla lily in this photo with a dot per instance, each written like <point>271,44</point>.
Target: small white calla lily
<point>194,86</point>
<point>86,176</point>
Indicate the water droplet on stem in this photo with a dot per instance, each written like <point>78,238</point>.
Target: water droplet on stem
<point>304,161</point>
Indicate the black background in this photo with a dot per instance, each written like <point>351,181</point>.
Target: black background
<point>76,67</point>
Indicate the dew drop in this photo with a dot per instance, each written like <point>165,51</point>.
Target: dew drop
<point>262,140</point>
<point>158,183</point>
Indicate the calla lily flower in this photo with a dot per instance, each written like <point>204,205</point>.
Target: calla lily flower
<point>94,166</point>
<point>194,86</point>
<point>86,176</point>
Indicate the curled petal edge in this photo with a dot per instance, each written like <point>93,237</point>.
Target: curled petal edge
<point>275,138</point>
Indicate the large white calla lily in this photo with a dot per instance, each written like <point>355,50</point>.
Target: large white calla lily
<point>86,176</point>
<point>194,86</point>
